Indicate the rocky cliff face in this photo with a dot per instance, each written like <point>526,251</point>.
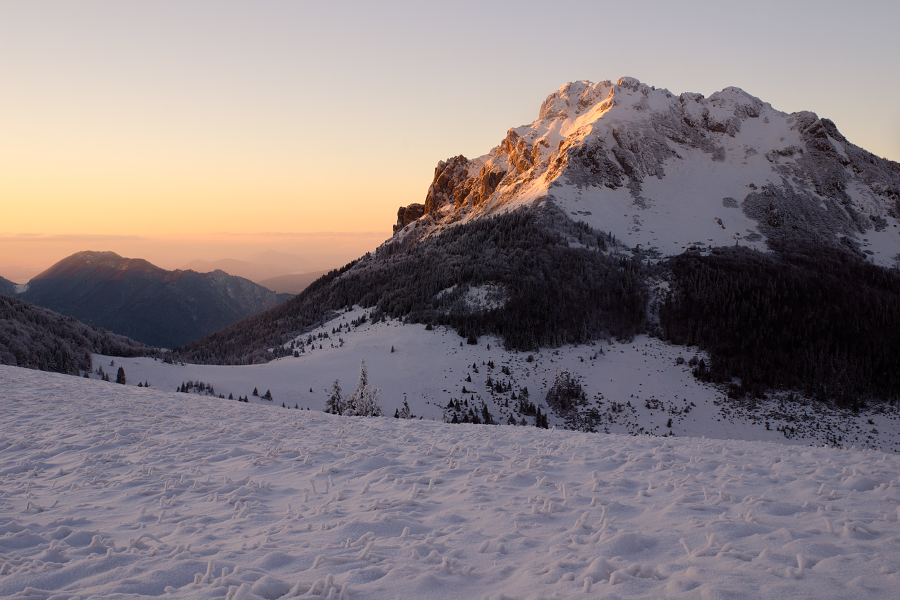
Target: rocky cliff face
<point>408,214</point>
<point>668,172</point>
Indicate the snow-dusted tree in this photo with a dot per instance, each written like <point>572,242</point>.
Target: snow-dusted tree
<point>367,405</point>
<point>363,376</point>
<point>335,402</point>
<point>405,412</point>
<point>364,399</point>
<point>120,376</point>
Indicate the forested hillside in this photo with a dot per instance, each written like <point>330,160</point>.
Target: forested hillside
<point>534,278</point>
<point>817,320</point>
<point>7,287</point>
<point>37,338</point>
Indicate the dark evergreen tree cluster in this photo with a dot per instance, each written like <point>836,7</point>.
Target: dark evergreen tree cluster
<point>37,338</point>
<point>567,399</point>
<point>554,292</point>
<point>475,413</point>
<point>566,393</point>
<point>809,318</point>
<point>198,387</point>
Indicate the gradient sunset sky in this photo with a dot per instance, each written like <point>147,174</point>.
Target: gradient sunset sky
<point>178,130</point>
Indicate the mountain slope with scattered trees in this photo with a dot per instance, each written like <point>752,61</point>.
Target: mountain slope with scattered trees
<point>808,302</point>
<point>551,282</point>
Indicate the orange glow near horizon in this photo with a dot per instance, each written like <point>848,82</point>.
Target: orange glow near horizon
<point>150,128</point>
<point>92,191</point>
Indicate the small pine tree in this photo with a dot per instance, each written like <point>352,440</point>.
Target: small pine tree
<point>335,402</point>
<point>256,392</point>
<point>405,412</point>
<point>364,399</point>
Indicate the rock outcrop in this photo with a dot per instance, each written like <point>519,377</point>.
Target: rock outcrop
<point>656,168</point>
<point>408,214</point>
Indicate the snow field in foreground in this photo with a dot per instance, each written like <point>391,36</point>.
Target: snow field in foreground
<point>117,492</point>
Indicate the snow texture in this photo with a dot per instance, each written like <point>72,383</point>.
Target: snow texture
<point>113,491</point>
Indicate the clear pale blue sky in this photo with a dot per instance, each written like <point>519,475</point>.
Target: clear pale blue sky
<point>170,118</point>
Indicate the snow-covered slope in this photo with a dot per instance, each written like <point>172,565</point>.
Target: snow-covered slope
<point>637,387</point>
<point>112,491</point>
<point>668,172</point>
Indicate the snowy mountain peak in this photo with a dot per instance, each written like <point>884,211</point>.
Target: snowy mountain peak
<point>668,172</point>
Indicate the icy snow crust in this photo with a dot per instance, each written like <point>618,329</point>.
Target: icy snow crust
<point>669,172</point>
<point>113,491</point>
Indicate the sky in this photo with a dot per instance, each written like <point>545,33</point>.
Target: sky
<point>175,131</point>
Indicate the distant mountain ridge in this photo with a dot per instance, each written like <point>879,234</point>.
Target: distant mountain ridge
<point>240,268</point>
<point>291,284</point>
<point>144,302</point>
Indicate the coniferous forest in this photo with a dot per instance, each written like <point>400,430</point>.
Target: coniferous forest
<point>809,318</point>
<point>37,338</point>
